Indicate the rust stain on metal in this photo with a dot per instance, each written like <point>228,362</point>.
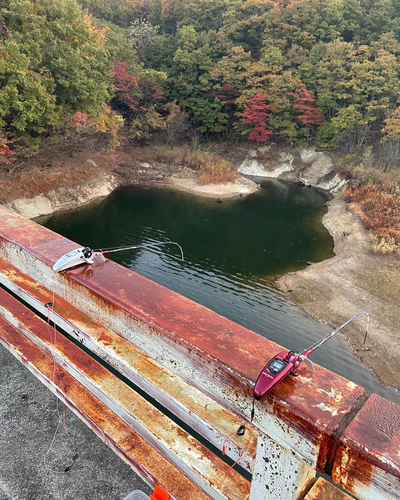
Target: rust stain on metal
<point>129,445</point>
<point>131,407</point>
<point>160,377</point>
<point>229,345</point>
<point>315,404</point>
<point>322,490</point>
<point>370,442</point>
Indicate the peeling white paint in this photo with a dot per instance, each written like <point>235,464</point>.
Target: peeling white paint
<point>324,407</point>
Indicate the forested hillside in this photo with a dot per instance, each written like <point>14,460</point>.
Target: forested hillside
<point>299,71</point>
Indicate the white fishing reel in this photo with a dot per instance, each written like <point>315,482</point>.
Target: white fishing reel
<point>83,255</point>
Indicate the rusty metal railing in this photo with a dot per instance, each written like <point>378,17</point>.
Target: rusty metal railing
<point>199,366</point>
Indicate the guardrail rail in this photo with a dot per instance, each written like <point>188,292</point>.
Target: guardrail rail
<point>166,383</point>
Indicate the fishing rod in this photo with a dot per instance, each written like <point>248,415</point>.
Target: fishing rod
<point>288,362</point>
<point>85,255</point>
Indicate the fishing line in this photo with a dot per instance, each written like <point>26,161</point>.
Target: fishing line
<point>61,417</point>
<point>85,255</point>
<point>134,247</point>
<point>240,432</point>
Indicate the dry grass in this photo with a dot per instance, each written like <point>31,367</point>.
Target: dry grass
<point>362,175</point>
<point>380,210</point>
<point>377,197</point>
<point>212,169</point>
<point>385,245</point>
<point>34,181</point>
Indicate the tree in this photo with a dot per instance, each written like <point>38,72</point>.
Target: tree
<point>142,34</point>
<point>119,12</point>
<point>257,114</point>
<point>228,94</point>
<point>177,124</point>
<point>308,112</point>
<point>54,63</point>
<point>391,136</point>
<point>190,79</point>
<point>128,93</point>
<point>4,150</point>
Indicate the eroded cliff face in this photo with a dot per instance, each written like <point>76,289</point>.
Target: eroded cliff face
<point>64,198</point>
<point>288,163</point>
<point>307,166</point>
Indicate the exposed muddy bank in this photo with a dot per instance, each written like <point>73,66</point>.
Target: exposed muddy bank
<point>182,179</point>
<point>356,279</point>
<point>189,184</point>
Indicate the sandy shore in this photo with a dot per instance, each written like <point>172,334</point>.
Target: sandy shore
<point>356,279</point>
<point>188,183</point>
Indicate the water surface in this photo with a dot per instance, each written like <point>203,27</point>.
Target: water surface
<point>233,251</point>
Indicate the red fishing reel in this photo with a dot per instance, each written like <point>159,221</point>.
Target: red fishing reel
<point>275,371</point>
<point>288,362</point>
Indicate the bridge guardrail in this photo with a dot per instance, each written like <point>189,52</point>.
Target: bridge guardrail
<point>298,427</point>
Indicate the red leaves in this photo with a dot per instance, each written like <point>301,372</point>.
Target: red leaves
<point>228,94</point>
<point>126,85</point>
<point>309,113</point>
<point>4,150</point>
<point>257,114</point>
<point>79,122</point>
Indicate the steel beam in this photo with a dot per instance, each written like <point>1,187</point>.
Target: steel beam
<point>217,425</point>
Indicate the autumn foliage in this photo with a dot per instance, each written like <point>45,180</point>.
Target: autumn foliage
<point>257,114</point>
<point>227,94</point>
<point>126,85</point>
<point>291,68</point>
<point>4,150</point>
<point>305,105</point>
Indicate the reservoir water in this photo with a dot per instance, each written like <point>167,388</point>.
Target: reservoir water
<point>234,250</point>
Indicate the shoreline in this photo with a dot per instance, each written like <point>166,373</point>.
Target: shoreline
<point>67,198</point>
<point>354,280</point>
<point>330,291</point>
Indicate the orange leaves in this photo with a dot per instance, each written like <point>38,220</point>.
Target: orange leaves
<point>107,122</point>
<point>98,31</point>
<point>4,150</point>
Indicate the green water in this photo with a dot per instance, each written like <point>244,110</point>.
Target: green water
<point>233,252</point>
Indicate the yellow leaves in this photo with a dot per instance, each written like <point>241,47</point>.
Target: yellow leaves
<point>391,130</point>
<point>154,119</point>
<point>97,31</point>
